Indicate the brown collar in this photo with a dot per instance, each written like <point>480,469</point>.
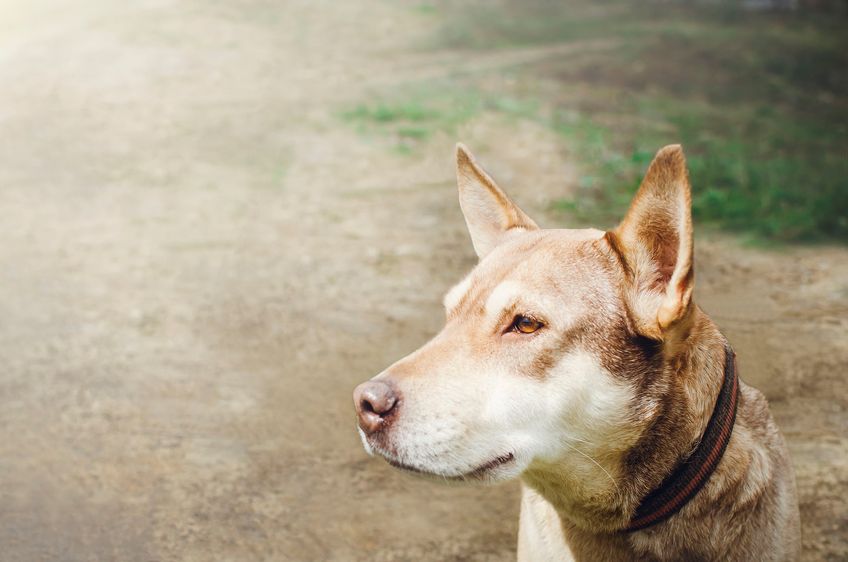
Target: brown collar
<point>688,478</point>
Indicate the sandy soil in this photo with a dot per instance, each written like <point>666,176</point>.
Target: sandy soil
<point>200,261</point>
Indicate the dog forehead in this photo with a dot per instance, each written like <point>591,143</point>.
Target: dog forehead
<point>529,261</point>
<point>502,295</point>
<point>535,257</point>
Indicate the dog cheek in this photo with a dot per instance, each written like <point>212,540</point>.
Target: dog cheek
<point>582,403</point>
<point>516,414</point>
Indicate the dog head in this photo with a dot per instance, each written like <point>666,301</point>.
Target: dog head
<point>549,344</point>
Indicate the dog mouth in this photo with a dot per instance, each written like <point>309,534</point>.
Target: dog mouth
<point>476,474</point>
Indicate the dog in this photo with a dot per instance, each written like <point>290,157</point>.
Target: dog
<point>577,361</point>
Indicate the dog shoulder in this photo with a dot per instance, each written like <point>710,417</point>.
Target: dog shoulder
<point>753,489</point>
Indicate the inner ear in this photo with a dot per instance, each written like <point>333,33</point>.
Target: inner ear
<point>655,241</point>
<point>660,235</point>
<point>488,212</point>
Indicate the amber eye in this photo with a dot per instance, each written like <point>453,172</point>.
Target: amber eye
<point>525,324</point>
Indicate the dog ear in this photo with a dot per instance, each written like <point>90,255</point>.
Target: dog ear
<point>655,241</point>
<point>489,213</point>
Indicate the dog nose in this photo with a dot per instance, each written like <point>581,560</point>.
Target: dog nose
<point>374,400</point>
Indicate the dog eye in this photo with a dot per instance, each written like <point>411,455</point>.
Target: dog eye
<point>525,324</point>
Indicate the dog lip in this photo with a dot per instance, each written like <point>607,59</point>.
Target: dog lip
<point>478,472</point>
<point>494,463</point>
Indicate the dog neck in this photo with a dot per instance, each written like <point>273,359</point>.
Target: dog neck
<point>600,488</point>
<point>693,471</point>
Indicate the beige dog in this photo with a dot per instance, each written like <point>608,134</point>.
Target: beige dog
<point>577,361</point>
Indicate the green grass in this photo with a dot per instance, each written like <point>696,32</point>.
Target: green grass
<point>740,185</point>
<point>759,101</point>
<point>412,115</point>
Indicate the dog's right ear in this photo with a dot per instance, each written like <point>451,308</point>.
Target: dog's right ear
<point>489,213</point>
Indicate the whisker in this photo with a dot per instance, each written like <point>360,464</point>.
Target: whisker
<point>572,438</point>
<point>614,483</point>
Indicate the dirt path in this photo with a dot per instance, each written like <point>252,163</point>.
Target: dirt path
<point>199,262</point>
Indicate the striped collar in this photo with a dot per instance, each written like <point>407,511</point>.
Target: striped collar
<point>688,478</point>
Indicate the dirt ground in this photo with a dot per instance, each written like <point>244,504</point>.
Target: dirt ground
<point>200,260</point>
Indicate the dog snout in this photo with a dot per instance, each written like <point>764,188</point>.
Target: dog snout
<point>374,401</point>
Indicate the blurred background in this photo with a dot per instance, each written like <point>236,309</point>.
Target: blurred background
<point>218,217</point>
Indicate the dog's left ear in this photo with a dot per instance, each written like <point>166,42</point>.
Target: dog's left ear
<point>489,213</point>
<point>655,240</point>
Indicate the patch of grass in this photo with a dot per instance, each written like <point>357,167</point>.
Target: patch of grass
<point>759,101</point>
<point>414,132</point>
<point>411,115</point>
<point>737,185</point>
<point>412,111</point>
<point>427,9</point>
